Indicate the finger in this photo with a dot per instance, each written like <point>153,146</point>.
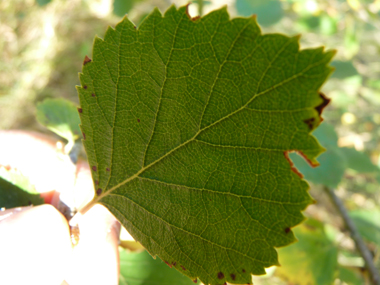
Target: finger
<point>35,245</point>
<point>96,257</point>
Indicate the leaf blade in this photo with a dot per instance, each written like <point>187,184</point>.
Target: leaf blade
<point>167,144</point>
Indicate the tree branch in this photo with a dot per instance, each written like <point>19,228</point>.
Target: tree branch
<point>355,235</point>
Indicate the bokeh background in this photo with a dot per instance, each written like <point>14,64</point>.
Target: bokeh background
<point>43,44</point>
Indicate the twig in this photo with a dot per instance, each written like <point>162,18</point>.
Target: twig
<point>360,245</point>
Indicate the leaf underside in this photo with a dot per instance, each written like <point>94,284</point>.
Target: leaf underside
<point>186,123</point>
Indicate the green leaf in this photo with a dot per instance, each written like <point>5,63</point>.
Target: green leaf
<point>15,177</point>
<point>122,7</point>
<point>368,224</point>
<point>141,269</point>
<point>61,117</point>
<point>312,260</point>
<point>349,276</point>
<point>186,123</point>
<point>332,163</point>
<point>358,161</point>
<point>343,69</point>
<point>268,12</point>
<point>12,196</point>
<point>329,172</point>
<point>42,2</point>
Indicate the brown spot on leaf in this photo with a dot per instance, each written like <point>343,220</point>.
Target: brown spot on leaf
<point>309,122</point>
<point>324,103</point>
<point>174,263</point>
<point>195,280</point>
<point>243,270</point>
<point>86,60</point>
<point>99,191</point>
<point>220,275</point>
<point>287,230</point>
<point>107,169</point>
<point>168,263</point>
<point>183,268</point>
<point>93,94</point>
<point>84,135</point>
<point>138,120</point>
<point>80,110</point>
<point>94,168</point>
<point>233,276</point>
<point>96,182</point>
<point>85,86</point>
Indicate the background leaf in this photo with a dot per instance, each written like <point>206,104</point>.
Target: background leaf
<point>312,260</point>
<point>332,162</point>
<point>122,7</point>
<point>358,161</point>
<point>268,12</point>
<point>350,277</point>
<point>61,117</point>
<point>186,123</point>
<point>139,268</point>
<point>343,69</point>
<point>12,196</point>
<point>16,178</point>
<point>368,224</point>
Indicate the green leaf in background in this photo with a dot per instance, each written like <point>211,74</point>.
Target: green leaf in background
<point>329,172</point>
<point>308,22</point>
<point>349,276</point>
<point>358,161</point>
<point>343,69</point>
<point>332,162</point>
<point>368,224</point>
<point>61,117</point>
<point>17,178</point>
<point>186,123</point>
<point>313,260</point>
<point>328,24</point>
<point>139,268</point>
<point>122,7</point>
<point>42,2</point>
<point>268,12</point>
<point>12,196</point>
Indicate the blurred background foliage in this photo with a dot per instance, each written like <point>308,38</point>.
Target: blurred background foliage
<point>43,44</point>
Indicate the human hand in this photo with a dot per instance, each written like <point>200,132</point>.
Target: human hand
<point>35,242</point>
